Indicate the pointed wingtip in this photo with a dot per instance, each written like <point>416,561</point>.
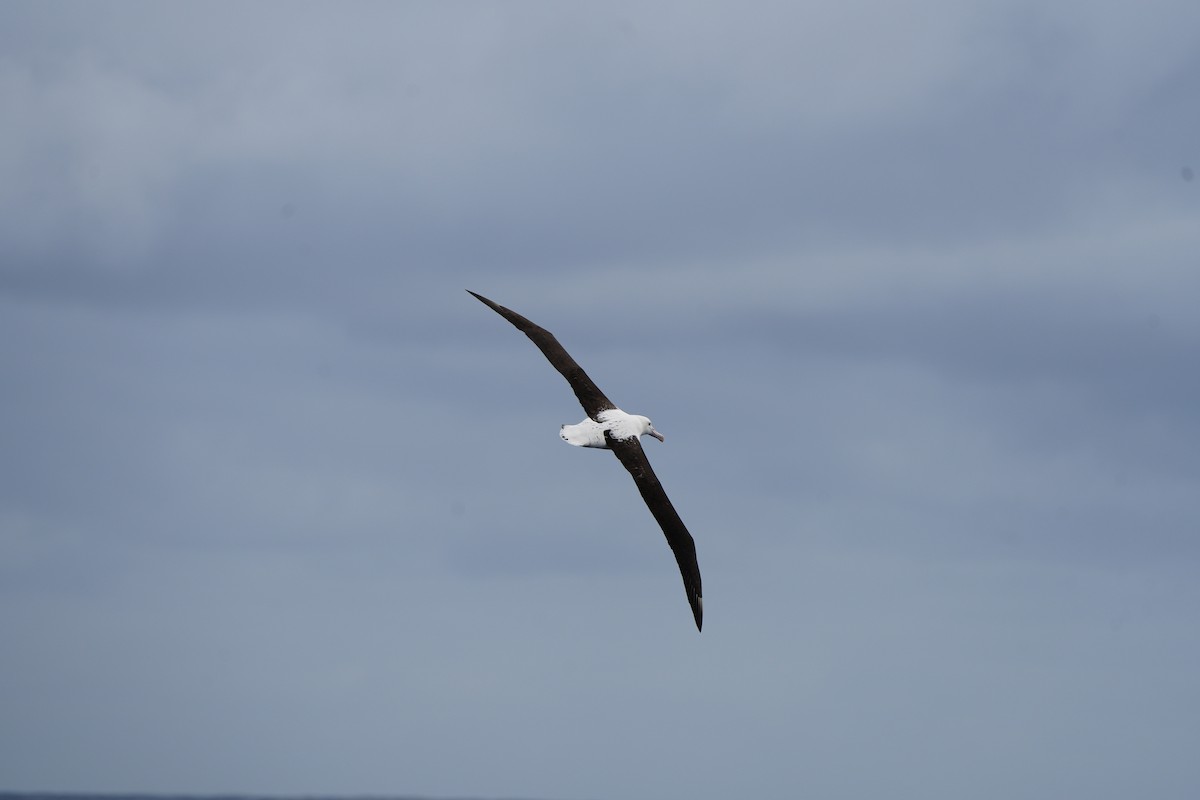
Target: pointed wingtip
<point>484,300</point>
<point>698,612</point>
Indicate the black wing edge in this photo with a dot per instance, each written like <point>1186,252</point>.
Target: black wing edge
<point>589,395</point>
<point>631,455</point>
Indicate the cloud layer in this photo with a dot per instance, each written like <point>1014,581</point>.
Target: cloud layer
<point>909,289</point>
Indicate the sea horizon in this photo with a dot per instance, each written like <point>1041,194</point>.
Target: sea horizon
<point>187,795</point>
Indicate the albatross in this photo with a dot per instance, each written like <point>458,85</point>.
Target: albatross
<point>608,427</point>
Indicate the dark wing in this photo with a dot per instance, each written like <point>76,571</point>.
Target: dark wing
<point>590,397</point>
<point>630,453</point>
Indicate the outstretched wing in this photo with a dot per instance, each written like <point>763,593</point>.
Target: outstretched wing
<point>590,396</point>
<point>630,453</point>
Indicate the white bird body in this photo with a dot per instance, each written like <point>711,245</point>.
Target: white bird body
<point>590,432</point>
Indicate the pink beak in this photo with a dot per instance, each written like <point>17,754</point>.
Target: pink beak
<point>657,435</point>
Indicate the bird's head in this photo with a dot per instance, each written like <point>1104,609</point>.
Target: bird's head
<point>648,428</point>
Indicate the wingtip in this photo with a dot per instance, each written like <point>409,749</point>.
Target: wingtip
<point>698,612</point>
<point>484,300</point>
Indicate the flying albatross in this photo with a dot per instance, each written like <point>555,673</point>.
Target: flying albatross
<point>611,428</point>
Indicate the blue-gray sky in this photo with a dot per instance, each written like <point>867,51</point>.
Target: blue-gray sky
<point>910,288</point>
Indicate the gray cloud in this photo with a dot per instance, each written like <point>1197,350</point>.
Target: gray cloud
<point>909,289</point>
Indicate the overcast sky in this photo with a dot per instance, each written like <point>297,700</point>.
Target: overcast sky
<point>910,288</point>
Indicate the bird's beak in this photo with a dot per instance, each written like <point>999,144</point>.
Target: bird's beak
<point>657,435</point>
